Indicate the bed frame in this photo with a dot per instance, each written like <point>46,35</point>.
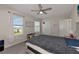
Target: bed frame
<point>32,50</point>
<point>36,49</point>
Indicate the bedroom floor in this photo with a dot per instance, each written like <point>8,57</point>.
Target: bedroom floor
<point>17,49</point>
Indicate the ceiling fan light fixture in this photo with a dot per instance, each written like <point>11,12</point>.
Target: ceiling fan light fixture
<point>41,12</point>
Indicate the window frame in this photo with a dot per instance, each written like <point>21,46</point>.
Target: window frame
<point>17,25</point>
<point>37,31</point>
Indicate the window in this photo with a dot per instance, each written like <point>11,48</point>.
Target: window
<point>17,25</point>
<point>37,26</point>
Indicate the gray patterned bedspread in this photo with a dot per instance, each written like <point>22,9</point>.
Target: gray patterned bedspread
<point>53,44</point>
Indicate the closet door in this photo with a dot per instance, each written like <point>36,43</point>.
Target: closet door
<point>77,29</point>
<point>65,27</point>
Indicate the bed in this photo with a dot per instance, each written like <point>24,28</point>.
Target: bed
<point>45,44</point>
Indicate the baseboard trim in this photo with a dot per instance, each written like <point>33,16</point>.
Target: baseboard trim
<point>13,44</point>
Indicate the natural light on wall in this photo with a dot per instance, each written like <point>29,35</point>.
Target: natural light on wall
<point>37,26</point>
<point>17,24</point>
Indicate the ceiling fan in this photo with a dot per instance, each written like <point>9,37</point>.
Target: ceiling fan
<point>41,10</point>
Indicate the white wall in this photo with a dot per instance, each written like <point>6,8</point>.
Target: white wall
<point>29,25</point>
<point>5,25</point>
<point>6,31</point>
<point>55,27</point>
<point>52,26</point>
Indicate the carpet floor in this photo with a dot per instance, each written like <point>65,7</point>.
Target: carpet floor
<point>17,49</point>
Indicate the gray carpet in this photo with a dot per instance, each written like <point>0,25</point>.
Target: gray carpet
<point>17,49</point>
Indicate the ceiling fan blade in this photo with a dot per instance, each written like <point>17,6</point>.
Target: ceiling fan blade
<point>47,9</point>
<point>34,10</point>
<point>44,12</point>
<point>40,6</point>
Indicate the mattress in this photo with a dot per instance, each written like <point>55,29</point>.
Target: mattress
<point>52,44</point>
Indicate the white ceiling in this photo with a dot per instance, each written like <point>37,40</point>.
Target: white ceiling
<point>57,9</point>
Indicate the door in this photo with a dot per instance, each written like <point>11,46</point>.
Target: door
<point>46,27</point>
